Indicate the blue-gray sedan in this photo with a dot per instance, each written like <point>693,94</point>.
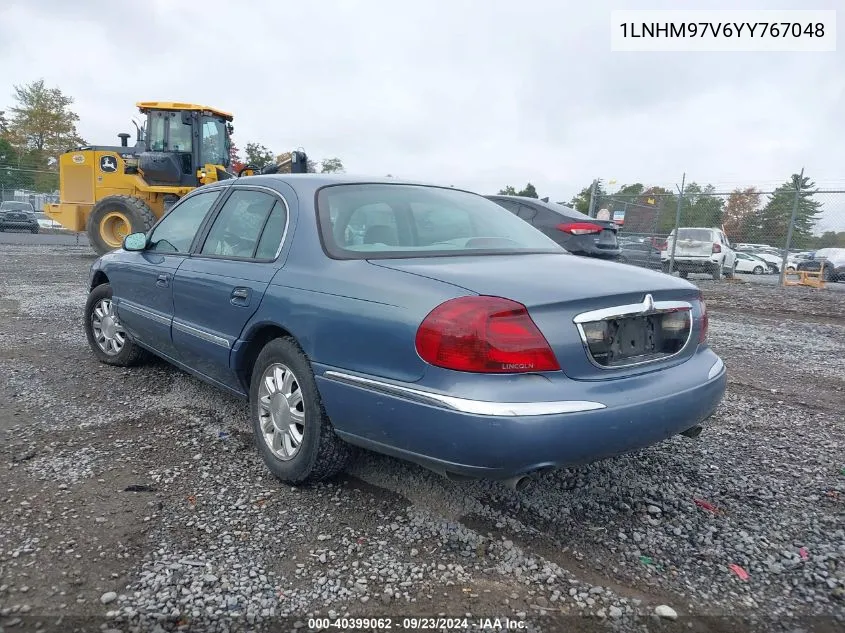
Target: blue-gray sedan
<point>419,321</point>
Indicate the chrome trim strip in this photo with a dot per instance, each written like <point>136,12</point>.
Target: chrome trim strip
<point>131,307</point>
<point>647,307</point>
<point>211,338</point>
<point>716,369</point>
<point>465,405</point>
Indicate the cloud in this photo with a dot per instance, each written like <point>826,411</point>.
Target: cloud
<point>475,95</point>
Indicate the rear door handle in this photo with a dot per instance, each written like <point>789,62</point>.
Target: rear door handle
<point>163,281</point>
<point>240,296</point>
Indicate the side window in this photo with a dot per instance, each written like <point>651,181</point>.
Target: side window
<point>438,224</point>
<point>373,224</point>
<point>177,229</point>
<point>239,225</point>
<point>271,238</point>
<point>155,133</point>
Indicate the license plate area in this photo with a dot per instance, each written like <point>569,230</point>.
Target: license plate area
<point>607,238</point>
<point>633,340</point>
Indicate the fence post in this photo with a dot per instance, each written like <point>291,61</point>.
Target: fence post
<point>782,276</point>
<point>677,223</point>
<point>592,210</point>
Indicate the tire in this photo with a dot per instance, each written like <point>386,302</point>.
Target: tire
<point>829,276</point>
<point>320,453</point>
<point>665,267</point>
<point>117,210</point>
<point>730,272</point>
<point>758,270</point>
<point>34,230</point>
<point>129,353</point>
<point>684,274</point>
<point>717,272</point>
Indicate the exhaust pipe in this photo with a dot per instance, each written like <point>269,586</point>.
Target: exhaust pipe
<point>693,432</point>
<point>517,483</point>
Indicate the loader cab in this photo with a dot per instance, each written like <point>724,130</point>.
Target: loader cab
<point>184,145</point>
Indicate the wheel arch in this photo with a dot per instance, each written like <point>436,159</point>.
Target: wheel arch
<point>244,357</point>
<point>98,279</point>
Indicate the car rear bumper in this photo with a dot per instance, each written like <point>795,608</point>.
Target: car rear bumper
<point>18,224</point>
<point>499,440</point>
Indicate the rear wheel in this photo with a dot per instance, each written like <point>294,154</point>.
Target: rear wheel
<point>717,272</point>
<point>729,272</point>
<point>115,217</point>
<point>34,229</point>
<point>294,436</point>
<point>758,270</point>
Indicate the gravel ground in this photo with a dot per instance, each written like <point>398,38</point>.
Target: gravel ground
<point>133,500</point>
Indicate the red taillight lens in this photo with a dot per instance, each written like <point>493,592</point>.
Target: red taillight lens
<point>704,321</point>
<point>579,228</point>
<point>717,248</point>
<point>484,335</point>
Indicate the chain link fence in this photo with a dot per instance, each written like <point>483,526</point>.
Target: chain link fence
<point>770,232</point>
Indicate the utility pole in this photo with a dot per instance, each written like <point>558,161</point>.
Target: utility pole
<point>677,223</point>
<point>592,211</point>
<point>798,186</point>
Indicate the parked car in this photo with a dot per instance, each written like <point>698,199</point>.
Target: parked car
<point>640,254</point>
<point>455,335</point>
<point>833,260</point>
<point>17,216</point>
<point>746,263</point>
<point>46,222</point>
<point>773,259</point>
<point>576,232</point>
<point>700,250</point>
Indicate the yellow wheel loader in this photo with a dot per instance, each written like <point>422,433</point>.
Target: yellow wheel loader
<point>112,191</point>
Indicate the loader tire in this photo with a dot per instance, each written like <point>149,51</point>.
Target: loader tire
<point>115,217</point>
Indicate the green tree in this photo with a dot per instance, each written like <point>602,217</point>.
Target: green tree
<point>775,216</point>
<point>507,191</point>
<point>12,176</point>
<point>258,155</point>
<point>831,239</point>
<point>42,123</point>
<point>700,207</point>
<point>4,124</point>
<point>332,166</point>
<point>529,191</point>
<point>581,200</point>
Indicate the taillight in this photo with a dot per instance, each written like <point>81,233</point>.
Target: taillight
<point>704,320</point>
<point>717,248</point>
<point>484,335</point>
<point>579,228</point>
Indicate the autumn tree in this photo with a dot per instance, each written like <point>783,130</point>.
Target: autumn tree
<point>235,162</point>
<point>776,214</point>
<point>42,124</point>
<point>741,214</point>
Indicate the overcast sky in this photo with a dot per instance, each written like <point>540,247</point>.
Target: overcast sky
<point>478,94</point>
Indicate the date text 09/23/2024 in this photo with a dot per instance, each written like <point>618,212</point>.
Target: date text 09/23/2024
<point>415,624</point>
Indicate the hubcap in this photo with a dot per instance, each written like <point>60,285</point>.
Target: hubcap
<point>108,332</point>
<point>281,411</point>
<point>113,228</point>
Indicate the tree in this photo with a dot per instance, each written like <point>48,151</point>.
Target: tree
<point>700,207</point>
<point>258,155</point>
<point>507,191</point>
<point>332,166</point>
<point>42,125</point>
<point>581,201</point>
<point>775,216</point>
<point>741,214</point>
<point>529,191</point>
<point>12,176</point>
<point>236,164</point>
<point>4,124</point>
<point>831,239</point>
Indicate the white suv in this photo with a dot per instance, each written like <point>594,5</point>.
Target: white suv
<point>700,250</point>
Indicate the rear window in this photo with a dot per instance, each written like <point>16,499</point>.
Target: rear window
<point>16,206</point>
<point>700,235</point>
<point>394,220</point>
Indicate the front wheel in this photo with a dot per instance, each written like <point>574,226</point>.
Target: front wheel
<point>294,436</point>
<point>758,270</point>
<point>107,338</point>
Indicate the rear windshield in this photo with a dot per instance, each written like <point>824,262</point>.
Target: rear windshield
<point>700,235</point>
<point>15,206</point>
<point>388,221</point>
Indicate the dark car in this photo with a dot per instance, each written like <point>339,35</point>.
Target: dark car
<point>833,260</point>
<point>442,329</point>
<point>576,232</point>
<point>644,254</point>
<point>18,216</point>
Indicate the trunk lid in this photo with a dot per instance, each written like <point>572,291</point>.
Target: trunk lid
<point>557,288</point>
<point>692,243</point>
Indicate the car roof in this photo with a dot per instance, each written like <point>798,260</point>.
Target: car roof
<point>551,206</point>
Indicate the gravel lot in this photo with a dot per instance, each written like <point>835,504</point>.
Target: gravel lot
<point>133,500</point>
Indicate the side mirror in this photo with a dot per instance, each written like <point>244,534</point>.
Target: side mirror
<point>135,242</point>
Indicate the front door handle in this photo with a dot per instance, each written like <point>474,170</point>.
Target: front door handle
<point>163,281</point>
<point>240,297</point>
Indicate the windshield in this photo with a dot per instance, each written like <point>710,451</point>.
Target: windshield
<point>215,142</point>
<point>15,206</point>
<point>384,220</point>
